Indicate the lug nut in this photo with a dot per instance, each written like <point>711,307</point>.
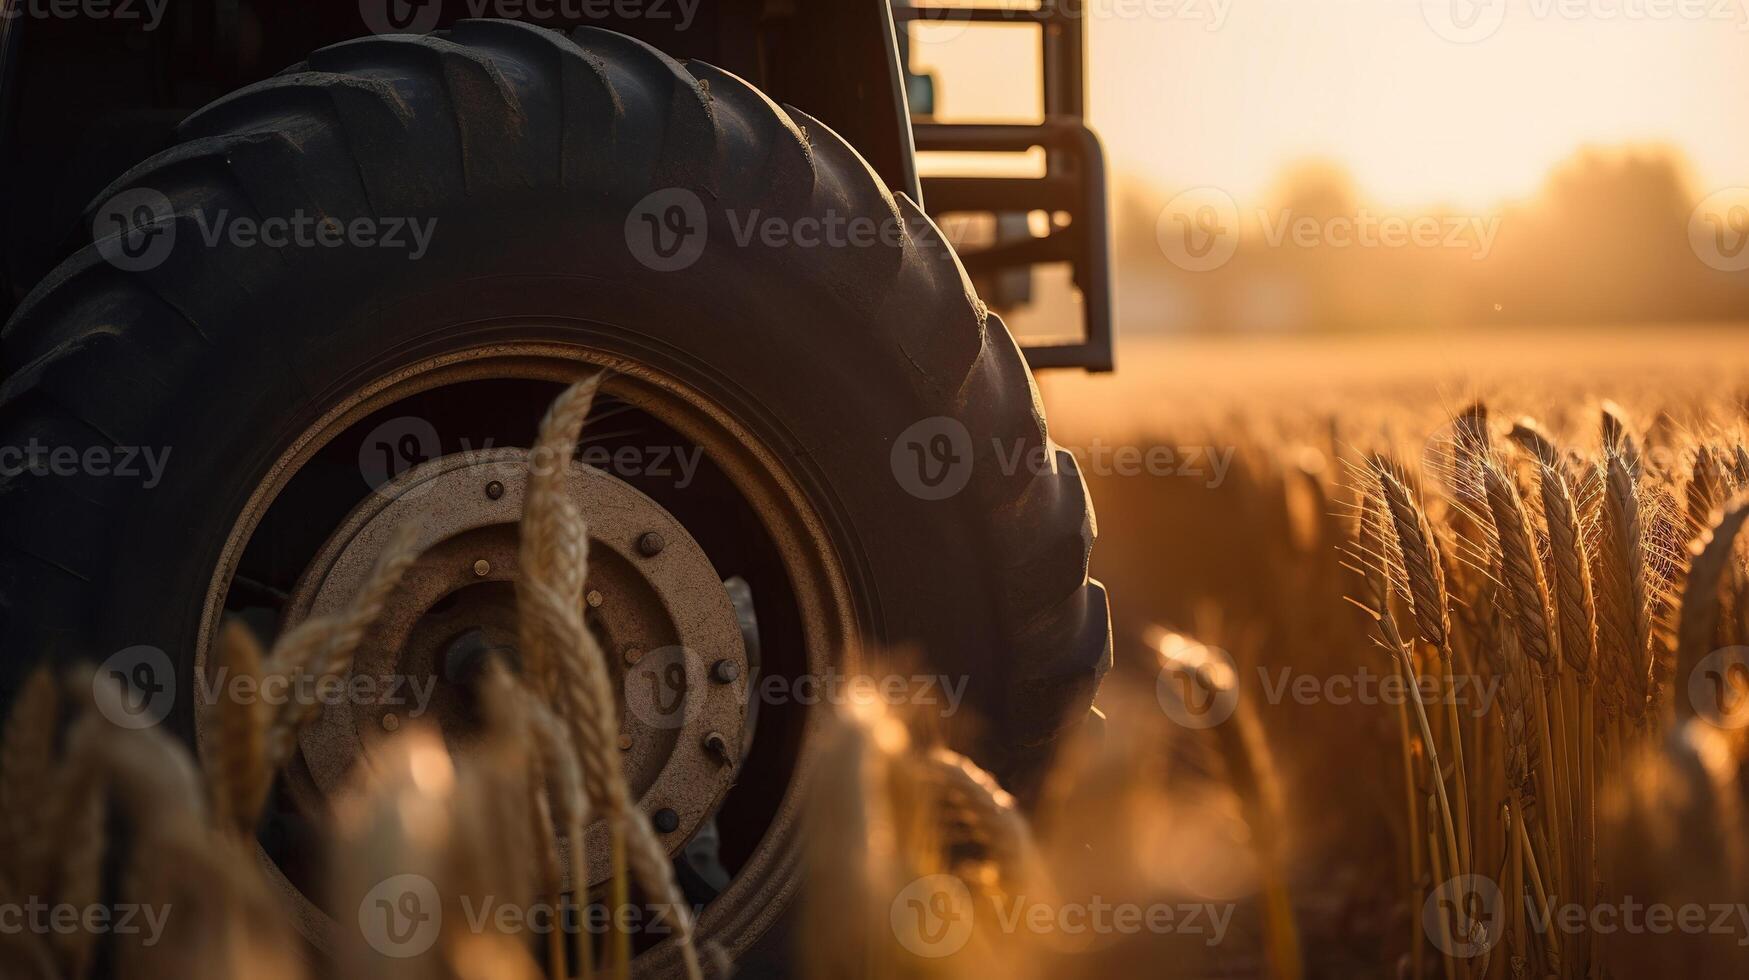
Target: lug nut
<point>725,671</point>
<point>650,544</point>
<point>717,745</point>
<point>494,490</point>
<point>667,821</point>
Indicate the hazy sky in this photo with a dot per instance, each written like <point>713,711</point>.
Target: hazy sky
<point>1225,92</point>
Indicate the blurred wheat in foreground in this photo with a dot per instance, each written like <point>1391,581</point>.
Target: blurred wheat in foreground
<point>1599,599</point>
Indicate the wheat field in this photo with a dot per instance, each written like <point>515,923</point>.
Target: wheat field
<point>1409,684</point>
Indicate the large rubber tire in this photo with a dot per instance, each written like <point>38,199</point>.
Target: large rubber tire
<point>530,149</point>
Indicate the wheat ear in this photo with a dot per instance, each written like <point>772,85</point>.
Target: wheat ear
<point>1418,551</point>
<point>325,645</point>
<point>562,651</point>
<point>27,778</point>
<point>1697,630</point>
<point>1624,626</point>
<point>238,776</point>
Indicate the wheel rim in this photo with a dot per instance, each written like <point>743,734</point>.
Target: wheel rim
<point>822,591</point>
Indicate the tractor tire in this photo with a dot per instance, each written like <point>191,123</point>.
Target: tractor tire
<point>539,157</point>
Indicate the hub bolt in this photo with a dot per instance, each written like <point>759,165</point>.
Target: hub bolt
<point>391,721</point>
<point>718,746</point>
<point>667,821</point>
<point>482,568</point>
<point>625,742</point>
<point>650,544</point>
<point>725,671</point>
<point>494,490</point>
<point>631,655</point>
<point>593,597</point>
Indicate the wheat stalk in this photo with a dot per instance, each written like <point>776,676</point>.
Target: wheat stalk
<point>562,651</point>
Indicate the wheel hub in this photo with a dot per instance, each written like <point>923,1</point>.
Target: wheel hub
<point>655,604</point>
